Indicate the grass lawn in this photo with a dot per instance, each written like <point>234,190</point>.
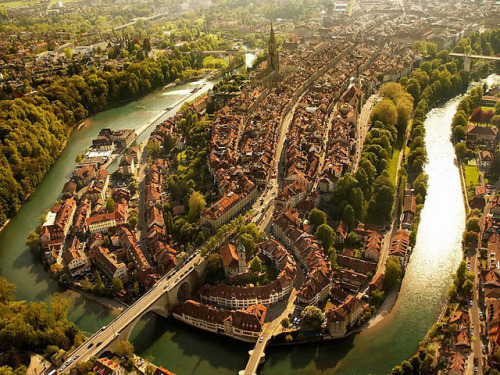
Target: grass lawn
<point>212,62</point>
<point>485,109</point>
<point>393,164</point>
<point>471,179</point>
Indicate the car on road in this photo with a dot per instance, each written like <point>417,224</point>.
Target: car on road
<point>261,339</point>
<point>63,367</point>
<point>471,303</point>
<point>77,356</point>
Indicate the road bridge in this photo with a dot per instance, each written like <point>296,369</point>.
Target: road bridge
<point>468,59</point>
<point>168,291</point>
<point>226,52</point>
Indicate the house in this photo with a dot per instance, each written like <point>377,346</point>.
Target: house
<point>339,319</point>
<point>485,159</point>
<point>58,221</point>
<point>456,364</point>
<point>409,210</point>
<point>127,166</point>
<point>400,246</point>
<point>485,134</point>
<point>233,262</point>
<point>373,246</point>
<point>108,263</point>
<point>105,366</point>
<point>75,258</point>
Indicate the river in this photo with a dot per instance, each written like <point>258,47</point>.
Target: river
<point>185,350</point>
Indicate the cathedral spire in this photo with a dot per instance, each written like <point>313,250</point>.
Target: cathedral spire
<point>272,51</point>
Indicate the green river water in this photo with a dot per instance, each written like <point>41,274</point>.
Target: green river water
<point>185,350</point>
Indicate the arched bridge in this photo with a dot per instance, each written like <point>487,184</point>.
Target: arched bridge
<point>227,52</point>
<point>167,292</point>
<point>468,58</point>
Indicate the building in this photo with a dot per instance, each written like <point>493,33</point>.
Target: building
<point>409,210</point>
<point>127,166</point>
<point>108,264</point>
<point>339,319</point>
<point>244,324</point>
<point>400,247</point>
<point>75,258</point>
<point>58,221</point>
<point>105,366</point>
<point>226,208</point>
<point>101,223</point>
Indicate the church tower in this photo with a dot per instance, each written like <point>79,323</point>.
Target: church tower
<point>272,52</point>
<point>242,262</point>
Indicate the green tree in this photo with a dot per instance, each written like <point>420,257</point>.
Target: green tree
<point>256,264</point>
<point>393,273</point>
<point>349,217</point>
<point>317,217</point>
<point>215,270</point>
<point>470,239</point>
<point>285,322</point>
<point>311,318</point>
<point>326,235</point>
<point>117,285</point>
<point>196,204</point>
<point>110,205</point>
<point>133,220</point>
<point>33,241</point>
<point>386,112</point>
<point>248,243</point>
<point>125,349</point>
<point>473,224</point>
<point>86,284</point>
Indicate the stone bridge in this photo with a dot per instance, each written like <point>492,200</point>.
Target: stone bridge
<point>174,287</point>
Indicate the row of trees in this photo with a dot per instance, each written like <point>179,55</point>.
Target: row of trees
<point>372,187</point>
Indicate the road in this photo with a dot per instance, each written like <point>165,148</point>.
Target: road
<point>267,333</point>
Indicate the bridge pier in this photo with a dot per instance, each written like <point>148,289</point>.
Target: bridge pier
<point>467,63</point>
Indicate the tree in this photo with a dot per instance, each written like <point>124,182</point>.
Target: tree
<point>426,365</point>
<point>285,322</point>
<point>33,241</point>
<point>68,53</point>
<point>473,224</point>
<point>311,318</point>
<point>215,269</point>
<point>376,298</point>
<point>393,273</point>
<point>86,284</point>
<point>470,239</point>
<point>317,217</point>
<point>352,241</point>
<point>349,217</point>
<point>289,338</point>
<point>326,235</point>
<point>133,220</point>
<point>386,112</point>
<point>110,205</point>
<point>477,115</point>
<point>125,349</point>
<point>117,285</point>
<point>248,243</point>
<point>256,264</point>
<point>59,307</point>
<point>196,204</point>
<point>461,150</point>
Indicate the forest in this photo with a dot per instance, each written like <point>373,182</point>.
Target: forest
<point>30,326</point>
